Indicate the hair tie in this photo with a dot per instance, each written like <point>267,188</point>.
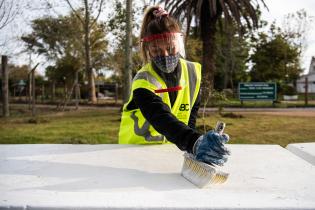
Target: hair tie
<point>160,12</point>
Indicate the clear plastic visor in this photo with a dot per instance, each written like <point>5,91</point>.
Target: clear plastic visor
<point>165,44</point>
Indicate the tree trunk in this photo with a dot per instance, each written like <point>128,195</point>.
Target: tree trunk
<point>208,31</point>
<point>116,93</point>
<point>87,45</point>
<point>29,90</point>
<point>229,58</point>
<point>128,55</point>
<point>30,82</point>
<point>306,92</point>
<point>5,87</point>
<point>226,67</point>
<point>33,94</point>
<point>77,90</point>
<point>65,89</point>
<point>68,97</point>
<point>208,60</point>
<point>43,93</point>
<point>53,91</point>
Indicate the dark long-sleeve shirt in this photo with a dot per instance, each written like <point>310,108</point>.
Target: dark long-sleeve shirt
<point>159,114</point>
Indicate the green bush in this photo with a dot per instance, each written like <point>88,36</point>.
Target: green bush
<point>288,90</point>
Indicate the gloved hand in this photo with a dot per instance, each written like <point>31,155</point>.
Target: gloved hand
<point>210,148</point>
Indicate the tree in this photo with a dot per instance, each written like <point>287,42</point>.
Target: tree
<point>9,10</point>
<point>60,38</point>
<point>66,70</point>
<point>207,13</point>
<point>117,26</point>
<point>296,27</point>
<point>88,22</point>
<point>231,55</point>
<point>18,72</point>
<point>275,58</point>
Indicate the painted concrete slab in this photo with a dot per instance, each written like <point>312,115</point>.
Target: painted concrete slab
<point>305,151</point>
<point>148,177</point>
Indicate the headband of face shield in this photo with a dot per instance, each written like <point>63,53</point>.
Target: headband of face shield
<point>164,50</point>
<point>164,44</point>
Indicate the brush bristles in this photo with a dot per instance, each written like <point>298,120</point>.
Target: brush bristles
<point>201,174</point>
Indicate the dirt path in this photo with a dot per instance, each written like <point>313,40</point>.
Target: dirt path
<point>301,112</point>
<point>298,112</point>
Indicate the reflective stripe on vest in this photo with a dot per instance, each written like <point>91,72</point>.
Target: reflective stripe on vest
<point>192,79</point>
<point>147,76</point>
<point>144,130</point>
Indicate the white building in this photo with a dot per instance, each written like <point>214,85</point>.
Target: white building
<point>300,83</point>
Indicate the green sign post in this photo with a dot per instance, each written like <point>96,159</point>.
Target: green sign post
<point>260,91</point>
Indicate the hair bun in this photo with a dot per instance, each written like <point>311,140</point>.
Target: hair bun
<point>160,12</point>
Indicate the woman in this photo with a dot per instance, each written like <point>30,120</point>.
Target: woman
<point>165,98</point>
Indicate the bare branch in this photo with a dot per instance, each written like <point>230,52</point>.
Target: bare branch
<point>99,12</point>
<point>50,7</point>
<point>34,68</point>
<point>7,13</point>
<point>74,11</point>
<point>92,5</point>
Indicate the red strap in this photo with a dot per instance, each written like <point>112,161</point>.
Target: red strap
<point>172,89</point>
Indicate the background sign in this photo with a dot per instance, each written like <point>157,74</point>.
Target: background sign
<point>257,91</point>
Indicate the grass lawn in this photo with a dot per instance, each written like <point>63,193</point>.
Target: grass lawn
<point>98,126</point>
<point>95,126</point>
<point>266,129</point>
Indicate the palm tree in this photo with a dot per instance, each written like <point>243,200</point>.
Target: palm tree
<point>207,13</point>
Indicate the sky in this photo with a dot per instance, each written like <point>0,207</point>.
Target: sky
<point>279,8</point>
<point>34,9</point>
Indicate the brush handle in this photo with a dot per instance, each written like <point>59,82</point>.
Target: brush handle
<point>219,128</point>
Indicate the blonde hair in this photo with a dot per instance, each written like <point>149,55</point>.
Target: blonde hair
<point>155,25</point>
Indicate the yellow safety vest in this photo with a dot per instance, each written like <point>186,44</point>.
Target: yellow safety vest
<point>134,128</point>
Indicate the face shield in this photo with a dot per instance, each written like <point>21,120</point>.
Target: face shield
<point>165,44</point>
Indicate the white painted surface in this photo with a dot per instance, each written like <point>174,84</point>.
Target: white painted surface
<point>290,98</point>
<point>300,83</point>
<point>144,177</point>
<point>305,151</point>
